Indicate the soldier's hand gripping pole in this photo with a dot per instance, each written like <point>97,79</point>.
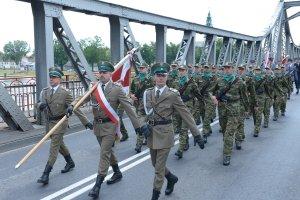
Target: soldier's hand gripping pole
<point>87,94</point>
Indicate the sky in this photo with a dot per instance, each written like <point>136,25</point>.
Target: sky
<point>250,17</point>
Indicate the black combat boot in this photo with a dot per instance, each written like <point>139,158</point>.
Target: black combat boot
<point>124,137</point>
<point>145,141</point>
<point>94,193</point>
<point>275,118</point>
<point>226,160</point>
<point>70,164</point>
<point>138,148</point>
<point>117,176</point>
<point>179,154</point>
<point>205,138</point>
<point>187,145</point>
<point>238,145</point>
<point>155,194</point>
<point>45,177</point>
<point>172,180</point>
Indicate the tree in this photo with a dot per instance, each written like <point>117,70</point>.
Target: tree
<point>198,52</point>
<point>16,50</point>
<point>94,50</point>
<point>219,44</point>
<point>172,50</point>
<point>1,56</point>
<point>60,56</point>
<point>148,52</point>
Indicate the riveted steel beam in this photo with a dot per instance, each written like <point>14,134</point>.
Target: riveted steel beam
<point>184,48</point>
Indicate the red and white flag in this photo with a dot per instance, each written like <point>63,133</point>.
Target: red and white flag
<point>122,74</point>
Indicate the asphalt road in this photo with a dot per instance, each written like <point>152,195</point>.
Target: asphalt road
<point>267,167</point>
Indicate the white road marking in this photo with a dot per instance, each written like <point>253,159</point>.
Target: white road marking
<point>83,181</point>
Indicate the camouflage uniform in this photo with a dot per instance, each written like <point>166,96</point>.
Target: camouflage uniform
<point>198,105</point>
<point>269,98</point>
<point>187,96</point>
<point>278,93</point>
<point>260,85</point>
<point>138,86</point>
<point>229,91</point>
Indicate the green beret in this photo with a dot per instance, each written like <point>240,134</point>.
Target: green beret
<point>105,67</point>
<point>55,72</point>
<point>160,68</point>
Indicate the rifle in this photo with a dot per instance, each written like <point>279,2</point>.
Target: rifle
<point>222,93</point>
<point>184,87</point>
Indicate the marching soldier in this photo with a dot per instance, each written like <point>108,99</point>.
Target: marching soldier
<point>198,108</point>
<point>205,84</point>
<point>269,95</point>
<point>260,91</point>
<point>186,87</point>
<point>228,92</point>
<point>278,92</point>
<point>139,84</point>
<point>160,102</point>
<point>56,101</point>
<point>105,129</point>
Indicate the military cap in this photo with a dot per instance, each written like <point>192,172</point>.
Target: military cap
<point>242,66</point>
<point>55,72</point>
<point>160,68</point>
<point>174,64</point>
<point>282,67</point>
<point>197,65</point>
<point>105,67</point>
<point>228,64</point>
<point>277,67</point>
<point>213,66</point>
<point>257,68</point>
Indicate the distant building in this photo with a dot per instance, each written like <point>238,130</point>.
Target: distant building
<point>8,65</point>
<point>27,63</point>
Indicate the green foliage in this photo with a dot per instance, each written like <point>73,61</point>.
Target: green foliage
<point>219,44</point>
<point>94,50</point>
<point>15,50</point>
<point>60,56</point>
<point>198,52</point>
<point>172,50</point>
<point>148,52</point>
<point>1,56</point>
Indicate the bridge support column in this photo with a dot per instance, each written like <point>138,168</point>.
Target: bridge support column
<point>190,57</point>
<point>161,46</point>
<point>43,45</point>
<point>116,39</point>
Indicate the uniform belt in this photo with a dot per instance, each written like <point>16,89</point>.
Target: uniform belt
<point>54,118</point>
<point>155,123</point>
<point>102,120</point>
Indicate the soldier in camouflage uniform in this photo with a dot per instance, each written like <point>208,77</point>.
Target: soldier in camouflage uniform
<point>205,84</point>
<point>243,112</point>
<point>198,105</point>
<point>139,84</point>
<point>269,95</point>
<point>278,92</point>
<point>287,87</point>
<point>120,112</point>
<point>260,91</point>
<point>186,87</point>
<point>229,91</point>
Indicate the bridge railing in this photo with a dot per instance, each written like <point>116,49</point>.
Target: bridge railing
<point>23,92</point>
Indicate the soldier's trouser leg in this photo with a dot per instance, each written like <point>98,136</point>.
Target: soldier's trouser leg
<point>240,135</point>
<point>140,138</point>
<point>107,156</point>
<point>276,106</point>
<point>229,134</point>
<point>267,110</point>
<point>183,136</point>
<point>258,114</point>
<point>283,103</point>
<point>159,158</point>
<point>214,113</point>
<point>208,114</point>
<point>57,145</point>
<point>197,113</point>
<point>222,117</point>
<point>176,123</point>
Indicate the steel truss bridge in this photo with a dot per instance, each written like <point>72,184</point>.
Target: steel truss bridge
<point>236,48</point>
